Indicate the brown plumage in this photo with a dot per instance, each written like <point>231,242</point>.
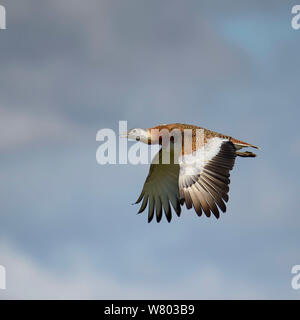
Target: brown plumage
<point>207,134</point>
<point>198,175</point>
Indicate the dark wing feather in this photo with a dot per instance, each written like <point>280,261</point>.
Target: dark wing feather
<point>160,189</point>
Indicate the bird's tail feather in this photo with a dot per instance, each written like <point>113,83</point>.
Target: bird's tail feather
<point>246,154</point>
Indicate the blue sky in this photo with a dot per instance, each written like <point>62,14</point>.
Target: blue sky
<point>70,68</point>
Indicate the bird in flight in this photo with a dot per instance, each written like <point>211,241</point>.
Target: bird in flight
<point>197,174</point>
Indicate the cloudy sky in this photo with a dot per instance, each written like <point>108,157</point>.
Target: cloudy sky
<point>69,68</point>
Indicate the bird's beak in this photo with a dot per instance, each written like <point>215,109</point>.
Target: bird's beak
<point>123,135</point>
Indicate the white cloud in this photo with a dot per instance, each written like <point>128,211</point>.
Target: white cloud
<point>26,279</point>
<point>20,128</point>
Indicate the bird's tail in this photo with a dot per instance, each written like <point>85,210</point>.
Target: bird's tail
<point>241,144</point>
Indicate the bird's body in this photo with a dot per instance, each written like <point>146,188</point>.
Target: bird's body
<point>197,174</point>
<point>204,137</point>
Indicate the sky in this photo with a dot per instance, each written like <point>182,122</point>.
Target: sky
<point>70,68</point>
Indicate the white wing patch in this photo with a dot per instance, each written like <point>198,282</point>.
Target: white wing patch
<point>204,176</point>
<point>194,163</point>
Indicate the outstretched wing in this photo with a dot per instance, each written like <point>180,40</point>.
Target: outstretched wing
<point>204,176</point>
<point>161,189</point>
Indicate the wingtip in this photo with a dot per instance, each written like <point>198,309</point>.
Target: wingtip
<point>169,219</point>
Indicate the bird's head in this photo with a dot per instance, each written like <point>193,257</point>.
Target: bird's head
<point>137,134</point>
